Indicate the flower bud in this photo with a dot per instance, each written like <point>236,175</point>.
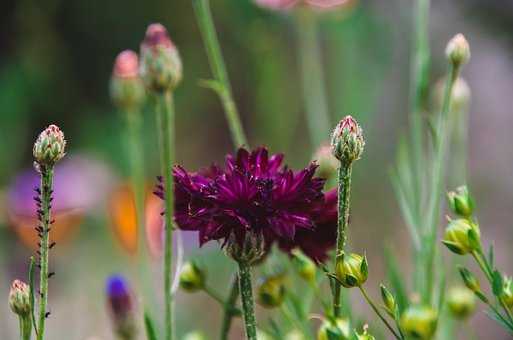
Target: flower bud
<point>352,271</point>
<point>49,147</point>
<point>419,322</point>
<point>248,250</point>
<point>192,278</point>
<point>328,164</point>
<point>126,87</point>
<point>305,267</point>
<point>462,236</point>
<point>470,280</point>
<point>365,335</point>
<point>460,202</point>
<point>507,292</point>
<point>388,301</point>
<point>271,291</point>
<point>121,307</point>
<point>334,330</point>
<point>347,141</point>
<point>19,298</point>
<point>458,50</point>
<point>161,66</point>
<point>195,335</point>
<point>461,302</point>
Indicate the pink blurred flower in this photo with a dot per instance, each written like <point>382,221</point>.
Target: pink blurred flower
<point>281,5</point>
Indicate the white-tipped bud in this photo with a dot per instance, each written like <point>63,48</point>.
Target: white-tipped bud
<point>49,147</point>
<point>347,141</point>
<point>19,298</point>
<point>458,50</point>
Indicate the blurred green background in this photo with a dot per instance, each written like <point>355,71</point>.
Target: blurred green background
<point>55,63</point>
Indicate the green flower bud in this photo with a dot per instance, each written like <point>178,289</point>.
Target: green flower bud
<point>305,267</point>
<point>334,330</point>
<point>161,66</point>
<point>352,271</point>
<point>388,301</point>
<point>347,141</point>
<point>126,87</point>
<point>19,298</point>
<point>365,335</point>
<point>328,164</point>
<point>507,292</point>
<point>192,278</point>
<point>460,202</point>
<point>419,322</point>
<point>195,335</point>
<point>49,147</point>
<point>462,236</point>
<point>461,302</point>
<point>470,280</point>
<point>250,250</point>
<point>271,291</point>
<point>458,50</point>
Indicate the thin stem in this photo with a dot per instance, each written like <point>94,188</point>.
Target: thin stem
<point>376,310</point>
<point>217,65</point>
<point>248,305</point>
<point>166,122</point>
<point>229,308</point>
<point>344,194</point>
<point>437,183</point>
<point>45,219</point>
<point>314,92</point>
<point>25,327</point>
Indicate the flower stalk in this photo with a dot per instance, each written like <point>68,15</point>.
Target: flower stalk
<point>229,308</point>
<point>379,314</point>
<point>248,305</point>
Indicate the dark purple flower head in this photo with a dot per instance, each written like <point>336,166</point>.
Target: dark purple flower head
<point>253,193</point>
<point>118,296</point>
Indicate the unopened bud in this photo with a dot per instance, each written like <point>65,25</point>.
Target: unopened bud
<point>192,278</point>
<point>352,271</point>
<point>461,202</point>
<point>121,307</point>
<point>248,250</point>
<point>388,301</point>
<point>305,267</point>
<point>338,329</point>
<point>19,298</point>
<point>461,302</point>
<point>507,292</point>
<point>458,50</point>
<point>271,291</point>
<point>328,164</point>
<point>470,280</point>
<point>126,87</point>
<point>347,141</point>
<point>419,322</point>
<point>161,66</point>
<point>462,236</point>
<point>365,335</point>
<point>49,147</point>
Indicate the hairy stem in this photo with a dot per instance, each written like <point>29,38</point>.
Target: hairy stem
<point>248,305</point>
<point>229,308</point>
<point>25,327</point>
<point>166,114</point>
<point>376,310</point>
<point>344,195</point>
<point>217,65</point>
<point>314,92</point>
<point>45,219</point>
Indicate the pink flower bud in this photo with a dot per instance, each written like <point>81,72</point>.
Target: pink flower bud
<point>126,88</point>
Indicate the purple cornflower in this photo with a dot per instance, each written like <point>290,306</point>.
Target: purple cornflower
<point>253,193</point>
<point>121,307</point>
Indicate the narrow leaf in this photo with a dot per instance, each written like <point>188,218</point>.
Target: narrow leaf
<point>149,325</point>
<point>396,281</point>
<point>32,299</point>
<point>497,283</point>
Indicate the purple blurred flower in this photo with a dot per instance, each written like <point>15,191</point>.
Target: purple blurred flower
<point>254,193</point>
<point>121,307</point>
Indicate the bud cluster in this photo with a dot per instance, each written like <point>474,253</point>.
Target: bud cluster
<point>347,142</point>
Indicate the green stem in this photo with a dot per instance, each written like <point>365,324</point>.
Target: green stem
<point>45,218</point>
<point>376,310</point>
<point>25,327</point>
<point>215,59</point>
<point>437,183</point>
<point>229,308</point>
<point>344,194</point>
<point>314,92</point>
<point>166,114</point>
<point>248,306</point>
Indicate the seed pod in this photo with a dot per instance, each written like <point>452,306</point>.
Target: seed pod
<point>419,322</point>
<point>461,302</point>
<point>462,236</point>
<point>352,271</point>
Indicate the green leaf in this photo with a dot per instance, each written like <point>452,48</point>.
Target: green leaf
<point>497,283</point>
<point>500,320</point>
<point>32,299</point>
<point>149,325</point>
<point>473,238</point>
<point>396,281</point>
<point>364,267</point>
<point>491,258</point>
